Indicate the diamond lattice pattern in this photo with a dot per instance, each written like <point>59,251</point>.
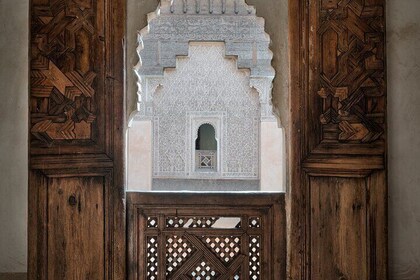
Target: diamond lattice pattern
<point>152,258</point>
<point>226,248</point>
<point>178,250</point>
<point>254,257</point>
<point>204,271</point>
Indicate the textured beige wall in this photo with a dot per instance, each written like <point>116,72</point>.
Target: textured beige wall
<point>403,36</point>
<point>13,134</point>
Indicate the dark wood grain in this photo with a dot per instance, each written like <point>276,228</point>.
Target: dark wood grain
<point>337,135</point>
<point>205,242</point>
<point>76,140</point>
<point>76,228</point>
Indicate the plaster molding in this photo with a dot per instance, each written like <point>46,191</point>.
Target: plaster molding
<point>175,23</point>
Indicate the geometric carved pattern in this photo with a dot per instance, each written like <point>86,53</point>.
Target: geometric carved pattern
<point>225,247</point>
<point>190,222</point>
<point>194,249</point>
<point>352,85</point>
<point>62,72</point>
<point>204,271</point>
<point>237,275</point>
<point>206,159</point>
<point>179,77</point>
<point>178,250</point>
<point>152,222</point>
<point>152,258</point>
<point>254,222</point>
<point>254,257</point>
<point>202,84</point>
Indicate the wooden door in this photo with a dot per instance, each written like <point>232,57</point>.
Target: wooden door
<point>338,191</point>
<point>76,180</point>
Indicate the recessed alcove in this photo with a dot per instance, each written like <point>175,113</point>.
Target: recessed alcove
<point>209,67</point>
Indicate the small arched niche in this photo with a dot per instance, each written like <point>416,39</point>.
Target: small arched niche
<point>204,118</point>
<point>206,149</point>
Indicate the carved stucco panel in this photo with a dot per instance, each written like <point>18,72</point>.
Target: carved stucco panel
<point>209,87</point>
<point>183,82</point>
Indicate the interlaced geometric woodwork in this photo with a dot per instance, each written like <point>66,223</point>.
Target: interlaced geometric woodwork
<point>178,250</point>
<point>190,222</point>
<point>152,258</point>
<point>205,245</point>
<point>225,247</point>
<point>152,222</point>
<point>237,275</point>
<point>63,74</point>
<point>352,85</point>
<point>254,257</point>
<point>254,222</point>
<point>204,271</point>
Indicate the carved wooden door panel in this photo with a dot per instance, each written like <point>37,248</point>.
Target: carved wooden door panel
<point>338,195</point>
<point>76,212</point>
<point>206,236</point>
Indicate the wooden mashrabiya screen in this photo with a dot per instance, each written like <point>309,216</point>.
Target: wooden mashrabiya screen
<point>206,236</point>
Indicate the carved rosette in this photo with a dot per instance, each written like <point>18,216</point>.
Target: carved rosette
<point>352,86</point>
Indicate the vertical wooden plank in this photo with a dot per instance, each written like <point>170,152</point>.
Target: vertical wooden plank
<point>338,228</point>
<point>37,226</point>
<point>76,228</point>
<point>377,226</point>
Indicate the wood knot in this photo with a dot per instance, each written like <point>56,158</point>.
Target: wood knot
<point>72,200</point>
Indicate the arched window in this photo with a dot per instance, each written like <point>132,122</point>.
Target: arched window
<point>206,148</point>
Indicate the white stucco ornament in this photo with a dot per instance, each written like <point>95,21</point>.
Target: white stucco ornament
<point>177,22</point>
<point>205,61</point>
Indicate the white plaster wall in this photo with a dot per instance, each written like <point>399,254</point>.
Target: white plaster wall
<point>139,156</point>
<point>272,170</point>
<point>403,36</point>
<point>13,134</point>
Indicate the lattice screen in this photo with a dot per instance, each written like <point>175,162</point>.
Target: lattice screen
<point>202,247</point>
<point>195,236</point>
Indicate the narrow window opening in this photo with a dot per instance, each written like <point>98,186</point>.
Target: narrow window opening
<point>206,148</point>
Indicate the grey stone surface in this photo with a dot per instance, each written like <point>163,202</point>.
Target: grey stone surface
<point>14,61</point>
<point>13,276</point>
<point>204,185</point>
<point>403,52</point>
